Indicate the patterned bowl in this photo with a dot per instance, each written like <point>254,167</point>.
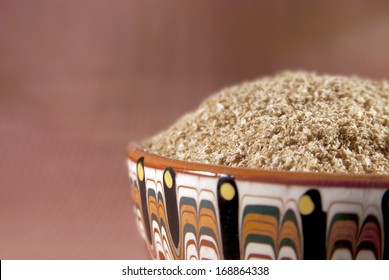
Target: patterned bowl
<point>199,211</point>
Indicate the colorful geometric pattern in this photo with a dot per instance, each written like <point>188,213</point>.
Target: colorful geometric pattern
<point>183,215</point>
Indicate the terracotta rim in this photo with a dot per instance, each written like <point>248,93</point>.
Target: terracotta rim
<point>259,175</point>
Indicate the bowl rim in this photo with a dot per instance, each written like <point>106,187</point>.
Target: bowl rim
<point>288,178</point>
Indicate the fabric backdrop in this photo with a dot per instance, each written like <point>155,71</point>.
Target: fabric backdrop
<point>79,80</point>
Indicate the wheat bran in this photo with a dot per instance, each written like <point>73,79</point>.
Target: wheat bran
<point>294,121</point>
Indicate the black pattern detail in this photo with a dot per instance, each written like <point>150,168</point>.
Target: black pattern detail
<point>314,229</point>
<point>229,220</point>
<point>171,206</point>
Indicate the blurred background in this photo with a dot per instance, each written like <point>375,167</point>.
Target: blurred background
<point>79,80</point>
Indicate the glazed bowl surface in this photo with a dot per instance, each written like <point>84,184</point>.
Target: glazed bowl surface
<point>188,210</point>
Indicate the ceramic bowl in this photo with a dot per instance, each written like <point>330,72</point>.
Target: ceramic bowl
<point>199,211</point>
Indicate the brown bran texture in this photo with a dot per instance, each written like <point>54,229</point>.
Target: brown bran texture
<point>293,121</point>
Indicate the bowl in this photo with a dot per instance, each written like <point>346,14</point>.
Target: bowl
<point>196,211</point>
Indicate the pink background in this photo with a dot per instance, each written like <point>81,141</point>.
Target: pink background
<point>81,79</point>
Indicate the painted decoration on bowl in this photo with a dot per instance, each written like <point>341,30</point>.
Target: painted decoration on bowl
<point>187,215</point>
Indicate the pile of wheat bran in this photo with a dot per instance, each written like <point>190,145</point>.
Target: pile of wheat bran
<point>292,121</point>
